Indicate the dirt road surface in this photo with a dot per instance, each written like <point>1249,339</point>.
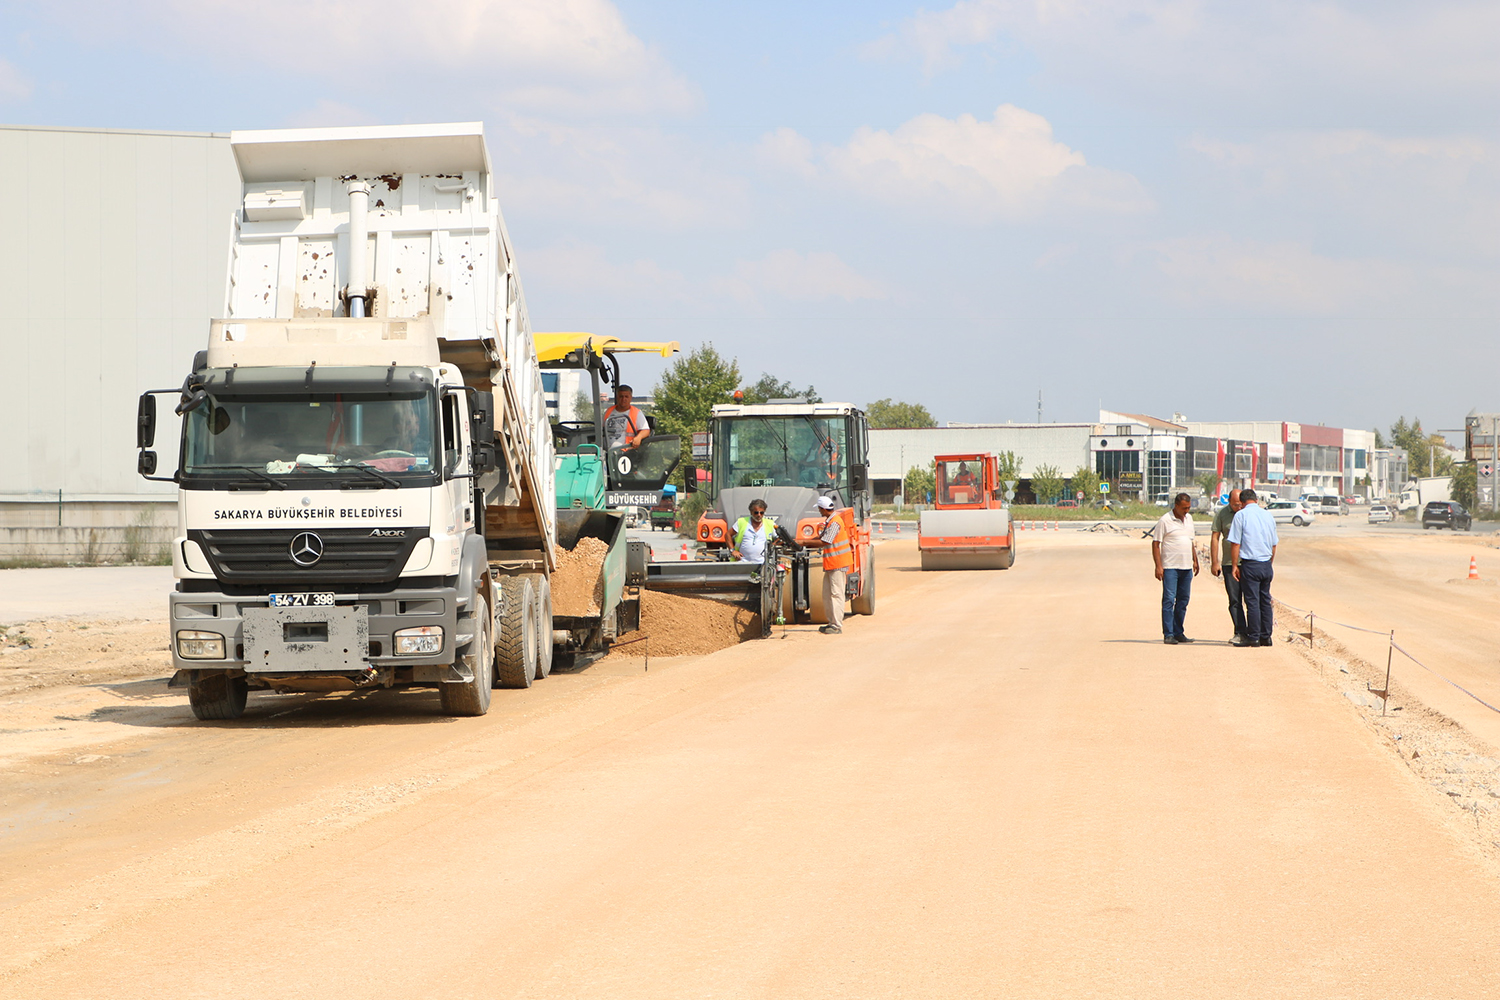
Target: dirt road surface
<point>1002,785</point>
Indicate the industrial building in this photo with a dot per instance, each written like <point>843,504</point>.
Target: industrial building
<point>114,254</point>
<point>1145,457</point>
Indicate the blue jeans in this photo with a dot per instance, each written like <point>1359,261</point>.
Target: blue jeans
<point>1255,581</point>
<point>1176,588</point>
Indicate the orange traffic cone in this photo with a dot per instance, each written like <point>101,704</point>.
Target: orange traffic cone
<point>684,556</point>
<point>1473,568</point>
<point>880,527</point>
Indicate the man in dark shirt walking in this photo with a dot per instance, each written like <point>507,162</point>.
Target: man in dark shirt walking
<point>1220,563</point>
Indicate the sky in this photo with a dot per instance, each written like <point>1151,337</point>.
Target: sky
<point>1272,211</point>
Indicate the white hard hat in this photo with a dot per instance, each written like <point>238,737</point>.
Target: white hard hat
<point>825,503</point>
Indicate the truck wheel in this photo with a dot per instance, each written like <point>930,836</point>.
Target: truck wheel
<point>473,697</point>
<point>543,587</point>
<point>864,602</point>
<point>515,660</point>
<point>217,695</point>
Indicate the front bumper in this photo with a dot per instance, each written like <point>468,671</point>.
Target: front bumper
<point>354,634</point>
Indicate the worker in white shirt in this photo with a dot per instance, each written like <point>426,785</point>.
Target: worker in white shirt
<point>752,534</point>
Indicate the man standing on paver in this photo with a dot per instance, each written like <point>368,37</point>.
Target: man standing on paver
<point>1176,559</point>
<point>1252,546</point>
<point>1218,546</point>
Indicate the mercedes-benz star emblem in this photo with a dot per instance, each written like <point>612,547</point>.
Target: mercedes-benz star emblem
<point>306,549</point>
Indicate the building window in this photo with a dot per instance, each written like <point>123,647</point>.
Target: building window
<point>1158,472</point>
<point>1205,461</point>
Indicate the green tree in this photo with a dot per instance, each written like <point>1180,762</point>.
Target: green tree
<point>1210,483</point>
<point>1379,438</point>
<point>768,388</point>
<point>1047,483</point>
<point>1085,480</point>
<point>688,392</point>
<point>1437,454</point>
<point>1415,442</point>
<point>1007,466</point>
<point>583,407</point>
<point>1466,484</point>
<point>920,482</point>
<point>885,413</point>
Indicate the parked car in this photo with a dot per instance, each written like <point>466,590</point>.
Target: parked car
<point>1446,514</point>
<point>1380,512</point>
<point>1331,505</point>
<point>1354,501</point>
<point>1293,511</point>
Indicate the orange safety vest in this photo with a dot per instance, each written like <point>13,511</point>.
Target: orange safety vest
<point>630,418</point>
<point>839,554</point>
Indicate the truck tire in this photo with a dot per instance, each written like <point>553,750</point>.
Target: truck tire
<point>217,695</point>
<point>515,659</point>
<point>472,697</point>
<point>543,587</point>
<point>864,601</point>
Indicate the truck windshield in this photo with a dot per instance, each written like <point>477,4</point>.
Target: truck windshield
<point>284,435</point>
<point>782,451</point>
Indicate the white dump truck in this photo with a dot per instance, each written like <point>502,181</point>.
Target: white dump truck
<point>365,469</point>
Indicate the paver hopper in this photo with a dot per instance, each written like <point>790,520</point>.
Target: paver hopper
<point>969,527</point>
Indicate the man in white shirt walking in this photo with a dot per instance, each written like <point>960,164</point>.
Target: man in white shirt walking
<point>1176,559</point>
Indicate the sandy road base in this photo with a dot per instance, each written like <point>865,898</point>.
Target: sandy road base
<point>1001,785</point>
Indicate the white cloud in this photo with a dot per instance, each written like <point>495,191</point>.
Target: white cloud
<point>964,168</point>
<point>584,270</point>
<point>1289,278</point>
<point>801,277</point>
<point>14,85</point>
<point>788,150</point>
<point>543,55</point>
<point>635,176</point>
<point>1225,54</point>
<point>331,114</point>
<point>1417,195</point>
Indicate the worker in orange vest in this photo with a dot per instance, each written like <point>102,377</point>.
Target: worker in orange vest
<point>625,425</point>
<point>837,540</point>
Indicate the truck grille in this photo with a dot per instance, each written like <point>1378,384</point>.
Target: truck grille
<point>349,555</point>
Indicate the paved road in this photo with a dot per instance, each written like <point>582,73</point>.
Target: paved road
<point>1003,785</point>
<point>92,592</point>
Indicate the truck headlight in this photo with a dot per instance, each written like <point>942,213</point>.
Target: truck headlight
<point>421,641</point>
<point>200,645</point>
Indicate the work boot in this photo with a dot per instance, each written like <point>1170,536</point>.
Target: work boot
<point>1241,640</point>
<point>830,630</point>
<point>1265,640</point>
<point>1170,640</point>
<point>1182,638</point>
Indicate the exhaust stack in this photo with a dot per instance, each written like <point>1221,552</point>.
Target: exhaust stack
<point>359,236</point>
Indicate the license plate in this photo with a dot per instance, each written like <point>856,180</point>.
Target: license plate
<point>301,600</point>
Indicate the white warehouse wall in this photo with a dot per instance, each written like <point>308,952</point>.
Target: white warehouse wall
<point>1065,446</point>
<point>114,249</point>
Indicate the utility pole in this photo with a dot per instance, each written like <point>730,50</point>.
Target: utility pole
<point>1039,406</point>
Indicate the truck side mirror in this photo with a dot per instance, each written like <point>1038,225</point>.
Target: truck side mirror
<point>145,463</point>
<point>482,430</point>
<point>145,421</point>
<point>859,478</point>
<point>690,478</point>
